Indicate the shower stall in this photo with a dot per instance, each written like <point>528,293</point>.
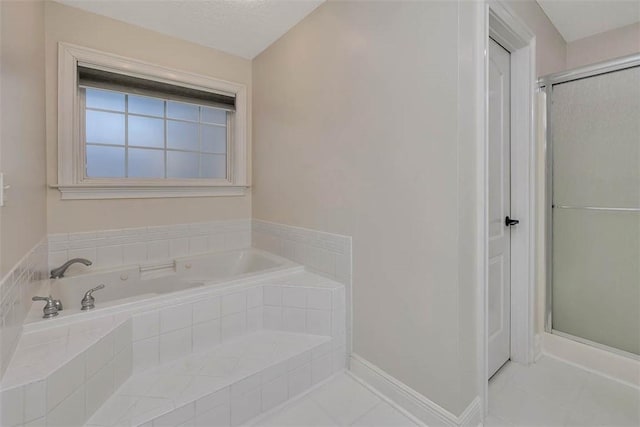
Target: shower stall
<point>593,205</point>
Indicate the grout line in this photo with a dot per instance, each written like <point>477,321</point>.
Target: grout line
<point>255,422</point>
<point>506,422</point>
<point>324,411</point>
<point>526,388</point>
<point>386,399</point>
<point>370,409</point>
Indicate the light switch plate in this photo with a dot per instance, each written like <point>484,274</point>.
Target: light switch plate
<point>2,189</point>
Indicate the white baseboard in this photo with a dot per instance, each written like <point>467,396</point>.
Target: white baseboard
<point>601,362</point>
<point>384,397</point>
<point>423,409</point>
<point>472,416</point>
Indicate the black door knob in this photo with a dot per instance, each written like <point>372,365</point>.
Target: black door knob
<point>509,222</point>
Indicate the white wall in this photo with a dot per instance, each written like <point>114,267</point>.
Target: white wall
<point>604,46</point>
<point>551,49</point>
<point>361,128</point>
<point>22,129</point>
<point>73,25</point>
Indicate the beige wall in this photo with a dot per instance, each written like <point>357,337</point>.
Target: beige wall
<point>601,47</point>
<point>22,129</point>
<point>72,25</point>
<point>362,127</point>
<point>551,49</point>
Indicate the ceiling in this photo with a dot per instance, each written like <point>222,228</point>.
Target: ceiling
<point>577,19</point>
<point>240,27</point>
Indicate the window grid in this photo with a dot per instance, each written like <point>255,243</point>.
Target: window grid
<point>202,155</point>
<point>200,142</point>
<point>126,136</point>
<point>165,143</point>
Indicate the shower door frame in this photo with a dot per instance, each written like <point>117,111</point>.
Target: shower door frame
<point>546,84</point>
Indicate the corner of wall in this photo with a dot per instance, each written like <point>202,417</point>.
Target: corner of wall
<point>16,289</point>
<point>604,46</point>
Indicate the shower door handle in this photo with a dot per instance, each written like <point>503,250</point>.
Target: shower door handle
<point>508,222</point>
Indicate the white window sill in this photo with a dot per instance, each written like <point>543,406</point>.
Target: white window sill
<point>103,191</point>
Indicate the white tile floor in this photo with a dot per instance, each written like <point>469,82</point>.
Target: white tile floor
<point>342,401</point>
<point>553,393</point>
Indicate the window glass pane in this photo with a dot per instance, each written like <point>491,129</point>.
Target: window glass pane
<point>145,105</point>
<point>182,136</point>
<point>214,139</point>
<point>165,139</point>
<point>213,166</point>
<point>146,163</point>
<point>182,165</point>
<point>180,110</point>
<point>214,115</point>
<point>104,99</point>
<point>105,128</point>
<point>146,132</point>
<point>105,162</point>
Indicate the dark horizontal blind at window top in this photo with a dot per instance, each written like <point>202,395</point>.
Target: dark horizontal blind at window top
<point>100,79</point>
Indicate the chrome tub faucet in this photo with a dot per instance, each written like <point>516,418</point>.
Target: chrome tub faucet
<point>51,307</point>
<point>89,302</point>
<point>57,273</point>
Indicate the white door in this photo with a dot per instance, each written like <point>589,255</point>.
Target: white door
<point>499,286</point>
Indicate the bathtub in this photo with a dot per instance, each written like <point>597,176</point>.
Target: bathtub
<point>129,284</point>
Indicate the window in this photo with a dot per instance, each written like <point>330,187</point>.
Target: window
<point>133,136</point>
<point>135,133</point>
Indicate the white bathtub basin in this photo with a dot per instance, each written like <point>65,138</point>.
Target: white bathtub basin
<point>225,265</point>
<point>134,283</point>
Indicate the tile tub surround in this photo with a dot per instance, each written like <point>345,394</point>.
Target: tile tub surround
<point>16,290</point>
<point>325,253</point>
<point>164,335</point>
<point>165,332</point>
<point>110,248</point>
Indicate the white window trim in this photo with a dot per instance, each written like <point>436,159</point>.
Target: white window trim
<point>71,181</point>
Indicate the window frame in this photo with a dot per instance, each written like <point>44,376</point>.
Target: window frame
<point>72,182</point>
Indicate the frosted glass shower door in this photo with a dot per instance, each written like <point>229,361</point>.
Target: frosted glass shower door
<point>595,124</point>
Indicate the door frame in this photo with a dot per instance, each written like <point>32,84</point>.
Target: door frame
<point>503,25</point>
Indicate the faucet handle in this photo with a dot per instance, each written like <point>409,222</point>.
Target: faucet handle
<point>97,288</point>
<point>50,308</point>
<point>88,301</point>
